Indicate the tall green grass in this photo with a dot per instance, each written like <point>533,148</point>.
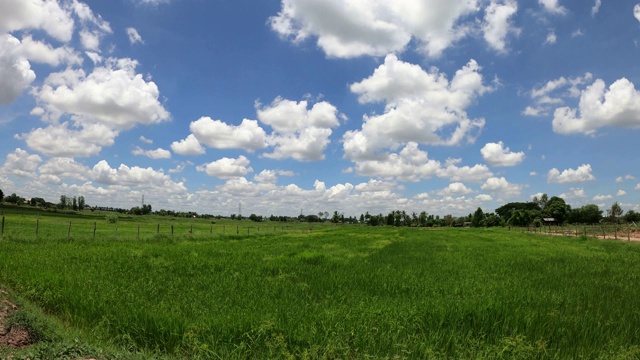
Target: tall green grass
<point>340,292</point>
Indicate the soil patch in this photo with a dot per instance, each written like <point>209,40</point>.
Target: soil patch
<point>14,337</point>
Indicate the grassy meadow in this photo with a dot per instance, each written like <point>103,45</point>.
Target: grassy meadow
<point>333,292</point>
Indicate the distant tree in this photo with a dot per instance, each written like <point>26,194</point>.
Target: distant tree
<point>507,210</point>
<point>63,202</point>
<point>75,204</point>
<point>362,218</point>
<point>135,210</point>
<point>558,209</point>
<point>36,201</point>
<point>1,195</point>
<point>632,217</point>
<point>615,212</point>
<point>14,199</point>
<point>146,209</point>
<point>81,202</point>
<point>521,218</point>
<point>422,219</point>
<point>588,214</point>
<point>541,202</point>
<point>256,218</point>
<point>491,220</point>
<point>477,218</point>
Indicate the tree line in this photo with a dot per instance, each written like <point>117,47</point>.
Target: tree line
<point>541,210</point>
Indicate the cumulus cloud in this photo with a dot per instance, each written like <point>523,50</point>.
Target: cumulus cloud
<point>134,36</point>
<point>551,38</point>
<point>219,135</point>
<point>573,193</point>
<point>497,155</point>
<point>21,163</point>
<point>158,153</point>
<point>134,177</point>
<point>636,12</point>
<point>226,168</point>
<point>46,15</point>
<point>502,187</point>
<point>581,174</point>
<point>352,28</point>
<point>602,197</point>
<point>617,106</point>
<point>422,107</point>
<point>456,188</point>
<point>145,140</point>
<point>596,7</point>
<point>99,106</point>
<point>64,168</point>
<point>299,133</point>
<point>621,192</point>
<point>496,24</point>
<point>554,93</point>
<point>15,71</point>
<point>188,146</point>
<point>410,164</point>
<point>553,7</point>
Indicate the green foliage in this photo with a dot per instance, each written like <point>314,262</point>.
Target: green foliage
<point>558,209</point>
<point>112,218</point>
<point>588,214</point>
<point>15,199</point>
<point>1,195</point>
<point>478,218</point>
<point>506,211</point>
<point>632,216</point>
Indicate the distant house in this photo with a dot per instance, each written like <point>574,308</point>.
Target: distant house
<point>549,221</point>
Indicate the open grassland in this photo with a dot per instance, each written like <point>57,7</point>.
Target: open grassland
<point>337,292</point>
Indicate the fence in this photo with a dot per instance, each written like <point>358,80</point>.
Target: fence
<point>84,229</point>
<point>601,231</point>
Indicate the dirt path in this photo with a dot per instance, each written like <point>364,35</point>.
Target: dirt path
<point>13,337</point>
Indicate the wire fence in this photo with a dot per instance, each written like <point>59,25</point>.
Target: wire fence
<point>627,232</point>
<point>30,227</point>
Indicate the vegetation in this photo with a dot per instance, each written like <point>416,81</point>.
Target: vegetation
<point>334,292</point>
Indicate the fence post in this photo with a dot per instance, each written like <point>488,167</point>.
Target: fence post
<point>171,229</point>
<point>94,230</point>
<point>237,229</point>
<point>37,225</point>
<point>69,231</point>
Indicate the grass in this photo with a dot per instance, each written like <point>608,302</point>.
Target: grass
<point>338,292</point>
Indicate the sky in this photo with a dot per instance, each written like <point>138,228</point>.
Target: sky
<point>305,106</point>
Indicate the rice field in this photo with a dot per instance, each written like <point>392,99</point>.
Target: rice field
<point>333,292</point>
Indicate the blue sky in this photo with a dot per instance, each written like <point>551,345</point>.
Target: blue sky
<point>285,106</point>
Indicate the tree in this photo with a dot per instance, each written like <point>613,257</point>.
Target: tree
<point>588,214</point>
<point>558,209</point>
<point>476,219</point>
<point>615,212</point>
<point>632,217</point>
<point>14,199</point>
<point>75,204</point>
<point>1,195</point>
<point>81,202</point>
<point>520,218</point>
<point>542,201</point>
<point>507,210</point>
<point>63,202</point>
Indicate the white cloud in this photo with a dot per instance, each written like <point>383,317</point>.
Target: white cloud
<point>602,197</point>
<point>64,168</point>
<point>553,7</point>
<point>410,164</point>
<point>502,187</point>
<point>456,188</point>
<point>47,15</point>
<point>496,24</point>
<point>41,52</point>
<point>618,106</point>
<point>619,179</point>
<point>637,187</point>
<point>188,146</point>
<point>636,11</point>
<point>554,92</point>
<point>226,168</point>
<point>111,99</point>
<point>180,167</point>
<point>596,7</point>
<point>299,133</point>
<point>15,71</point>
<point>621,192</point>
<point>134,36</point>
<point>581,174</point>
<point>158,153</point>
<point>219,135</point>
<point>574,193</point>
<point>93,26</point>
<point>59,140</point>
<point>354,28</point>
<point>551,38</point>
<point>145,140</point>
<point>21,163</point>
<point>497,155</point>
<point>422,107</point>
<point>135,177</point>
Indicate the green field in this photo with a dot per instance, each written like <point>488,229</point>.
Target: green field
<point>333,292</point>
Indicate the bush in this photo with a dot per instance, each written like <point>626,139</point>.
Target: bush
<point>112,218</point>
